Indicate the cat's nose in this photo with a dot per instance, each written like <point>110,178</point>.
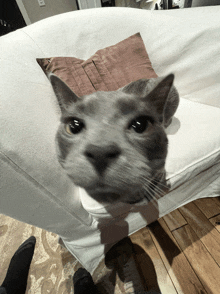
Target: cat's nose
<point>102,156</point>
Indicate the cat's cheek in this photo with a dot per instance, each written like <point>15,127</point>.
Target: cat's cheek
<point>63,145</point>
<point>157,164</point>
<point>80,171</point>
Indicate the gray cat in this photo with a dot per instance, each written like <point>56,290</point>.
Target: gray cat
<point>113,144</point>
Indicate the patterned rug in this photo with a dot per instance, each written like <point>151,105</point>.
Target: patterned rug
<point>53,267</point>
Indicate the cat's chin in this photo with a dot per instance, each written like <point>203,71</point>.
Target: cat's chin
<point>137,201</point>
<point>109,196</point>
<point>104,195</point>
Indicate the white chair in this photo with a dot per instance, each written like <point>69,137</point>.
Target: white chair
<point>35,189</point>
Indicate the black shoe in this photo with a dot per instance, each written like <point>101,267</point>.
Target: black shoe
<point>83,283</point>
<point>16,278</point>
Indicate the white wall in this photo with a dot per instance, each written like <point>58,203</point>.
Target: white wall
<point>52,7</point>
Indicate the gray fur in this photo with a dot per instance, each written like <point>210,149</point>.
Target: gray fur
<point>108,158</point>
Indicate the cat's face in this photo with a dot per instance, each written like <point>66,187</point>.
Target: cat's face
<point>113,144</point>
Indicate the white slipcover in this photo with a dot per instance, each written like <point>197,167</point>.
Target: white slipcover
<point>35,189</point>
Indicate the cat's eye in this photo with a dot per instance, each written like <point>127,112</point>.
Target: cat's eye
<point>140,124</point>
<point>75,126</point>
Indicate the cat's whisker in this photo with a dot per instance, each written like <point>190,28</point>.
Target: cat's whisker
<point>158,192</point>
<point>151,197</point>
<point>150,192</point>
<point>158,189</point>
<point>147,196</point>
<point>154,186</point>
<point>159,185</point>
<point>153,189</point>
<point>156,195</point>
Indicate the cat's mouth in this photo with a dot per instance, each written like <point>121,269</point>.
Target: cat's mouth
<point>105,194</point>
<point>131,193</point>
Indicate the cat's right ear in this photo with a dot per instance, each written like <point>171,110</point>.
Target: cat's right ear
<point>65,96</point>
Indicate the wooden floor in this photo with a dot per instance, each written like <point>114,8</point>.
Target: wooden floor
<point>180,253</point>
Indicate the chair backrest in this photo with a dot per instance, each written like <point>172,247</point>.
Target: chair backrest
<point>34,188</point>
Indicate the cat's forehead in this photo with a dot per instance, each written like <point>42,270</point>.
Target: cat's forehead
<point>106,103</point>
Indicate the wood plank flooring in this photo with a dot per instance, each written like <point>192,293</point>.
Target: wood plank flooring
<point>181,251</point>
<point>178,254</point>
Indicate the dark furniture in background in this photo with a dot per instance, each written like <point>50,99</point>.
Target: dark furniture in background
<point>108,3</point>
<point>169,4</point>
<point>11,18</point>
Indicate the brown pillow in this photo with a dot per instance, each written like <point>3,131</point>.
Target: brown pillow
<point>107,70</point>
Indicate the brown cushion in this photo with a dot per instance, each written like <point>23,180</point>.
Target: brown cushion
<point>107,70</point>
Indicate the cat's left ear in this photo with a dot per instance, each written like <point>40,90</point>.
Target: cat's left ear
<point>65,96</point>
<point>158,96</point>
